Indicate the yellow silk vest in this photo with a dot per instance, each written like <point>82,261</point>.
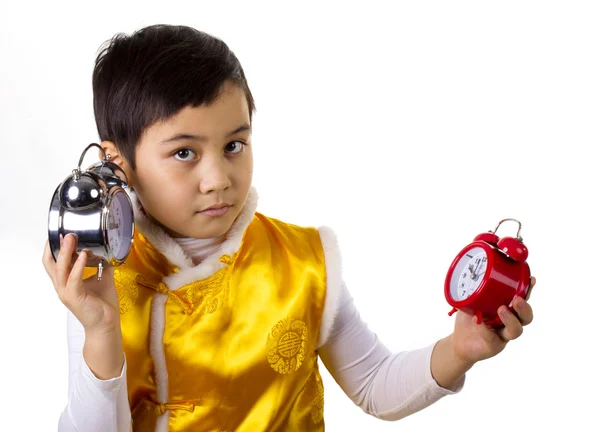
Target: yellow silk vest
<point>230,346</point>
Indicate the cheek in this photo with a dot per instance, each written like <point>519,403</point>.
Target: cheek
<point>174,191</point>
<point>162,186</point>
<point>243,171</point>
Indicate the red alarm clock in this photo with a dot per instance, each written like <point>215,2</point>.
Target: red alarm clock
<point>488,273</point>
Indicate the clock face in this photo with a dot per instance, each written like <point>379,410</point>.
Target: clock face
<point>120,225</point>
<point>468,274</point>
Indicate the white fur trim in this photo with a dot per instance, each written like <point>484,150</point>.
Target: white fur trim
<point>157,330</point>
<point>157,352</point>
<point>162,422</point>
<point>333,268</point>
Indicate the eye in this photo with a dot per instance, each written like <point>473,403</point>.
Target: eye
<point>184,155</point>
<point>235,147</point>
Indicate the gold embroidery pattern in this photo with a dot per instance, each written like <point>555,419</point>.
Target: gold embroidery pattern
<point>207,294</point>
<point>127,289</point>
<point>318,404</point>
<point>286,345</point>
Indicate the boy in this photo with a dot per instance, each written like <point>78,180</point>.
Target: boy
<point>220,312</point>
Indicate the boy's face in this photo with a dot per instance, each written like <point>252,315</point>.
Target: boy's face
<point>199,158</point>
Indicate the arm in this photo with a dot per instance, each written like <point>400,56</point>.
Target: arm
<point>93,404</point>
<point>97,400</point>
<point>386,385</point>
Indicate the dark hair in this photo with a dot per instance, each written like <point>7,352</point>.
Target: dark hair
<point>152,74</point>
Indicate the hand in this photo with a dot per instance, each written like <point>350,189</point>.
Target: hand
<point>95,303</point>
<point>473,342</point>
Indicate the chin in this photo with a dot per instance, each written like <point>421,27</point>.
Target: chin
<point>212,233</point>
<point>214,227</point>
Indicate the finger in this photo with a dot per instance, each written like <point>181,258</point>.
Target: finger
<point>523,310</point>
<point>63,263</point>
<point>48,262</point>
<point>512,326</point>
<point>488,335</point>
<point>74,255</point>
<point>74,289</point>
<point>531,285</point>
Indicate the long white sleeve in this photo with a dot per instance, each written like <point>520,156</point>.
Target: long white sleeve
<point>385,385</point>
<point>94,405</point>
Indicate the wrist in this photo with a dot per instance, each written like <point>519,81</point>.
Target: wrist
<point>459,360</point>
<point>447,367</point>
<point>103,354</point>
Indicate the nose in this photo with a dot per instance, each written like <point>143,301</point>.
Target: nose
<point>214,175</point>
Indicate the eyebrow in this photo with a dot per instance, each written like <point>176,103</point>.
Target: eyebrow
<point>181,137</point>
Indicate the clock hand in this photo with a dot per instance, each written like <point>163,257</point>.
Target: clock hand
<point>475,274</point>
<point>481,274</point>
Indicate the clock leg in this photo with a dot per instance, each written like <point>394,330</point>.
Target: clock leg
<point>100,268</point>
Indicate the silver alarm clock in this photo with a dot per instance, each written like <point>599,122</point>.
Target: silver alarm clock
<point>95,206</point>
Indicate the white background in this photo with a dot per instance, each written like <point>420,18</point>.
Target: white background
<point>408,127</point>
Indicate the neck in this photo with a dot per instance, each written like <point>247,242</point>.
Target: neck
<point>199,249</point>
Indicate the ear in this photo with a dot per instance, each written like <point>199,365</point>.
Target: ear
<point>114,156</point>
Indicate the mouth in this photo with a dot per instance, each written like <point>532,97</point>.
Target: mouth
<point>216,210</point>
